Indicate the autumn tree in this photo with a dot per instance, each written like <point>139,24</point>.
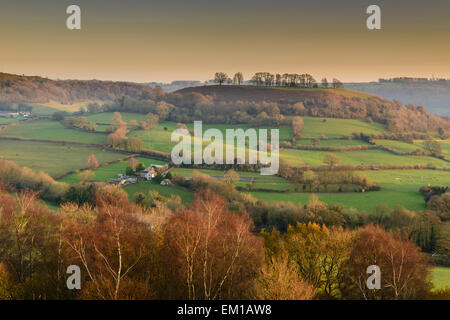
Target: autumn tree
<point>92,162</point>
<point>231,176</point>
<point>297,127</point>
<point>32,261</point>
<point>432,147</point>
<point>133,163</point>
<point>114,259</point>
<point>151,121</point>
<point>331,160</point>
<point>318,253</point>
<point>279,280</point>
<point>212,251</point>
<point>86,175</point>
<point>404,270</point>
<point>298,108</point>
<point>117,121</point>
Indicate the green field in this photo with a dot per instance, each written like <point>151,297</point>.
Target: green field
<point>364,157</point>
<point>68,107</point>
<point>107,117</point>
<point>332,143</point>
<point>397,187</point>
<point>159,138</point>
<point>166,191</point>
<point>445,146</point>
<point>259,181</point>
<point>334,128</point>
<point>4,121</point>
<point>399,145</point>
<point>52,158</point>
<point>105,173</point>
<point>52,130</point>
<point>441,277</point>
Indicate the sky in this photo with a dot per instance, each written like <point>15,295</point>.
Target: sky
<point>165,40</point>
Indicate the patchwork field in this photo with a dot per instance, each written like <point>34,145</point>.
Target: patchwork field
<point>334,128</point>
<point>332,143</point>
<point>52,130</point>
<point>259,181</point>
<point>159,138</point>
<point>399,145</point>
<point>364,157</point>
<point>52,158</point>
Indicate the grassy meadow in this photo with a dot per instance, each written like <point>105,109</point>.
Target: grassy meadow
<point>52,158</point>
<point>441,277</point>
<point>335,128</point>
<point>52,130</point>
<point>363,157</point>
<point>397,187</point>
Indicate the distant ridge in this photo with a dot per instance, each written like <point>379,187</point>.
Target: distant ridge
<point>434,94</point>
<point>35,89</point>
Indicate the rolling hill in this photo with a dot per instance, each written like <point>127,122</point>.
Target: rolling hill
<point>282,95</point>
<point>34,89</point>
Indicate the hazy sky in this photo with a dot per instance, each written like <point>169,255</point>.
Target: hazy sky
<point>166,40</point>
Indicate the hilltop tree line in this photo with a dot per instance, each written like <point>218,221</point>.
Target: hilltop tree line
<point>280,80</point>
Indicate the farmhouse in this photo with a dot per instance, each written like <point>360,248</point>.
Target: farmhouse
<point>150,172</point>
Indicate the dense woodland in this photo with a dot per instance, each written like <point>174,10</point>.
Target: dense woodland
<point>206,250</point>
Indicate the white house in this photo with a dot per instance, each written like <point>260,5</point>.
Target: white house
<point>148,173</point>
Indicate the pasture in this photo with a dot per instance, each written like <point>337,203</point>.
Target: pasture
<point>52,130</point>
<point>363,157</point>
<point>332,143</point>
<point>335,128</point>
<point>159,138</point>
<point>259,181</point>
<point>52,158</point>
<point>399,145</point>
<point>441,277</point>
<point>397,187</point>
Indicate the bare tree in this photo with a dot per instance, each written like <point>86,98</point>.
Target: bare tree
<point>238,78</point>
<point>220,77</point>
